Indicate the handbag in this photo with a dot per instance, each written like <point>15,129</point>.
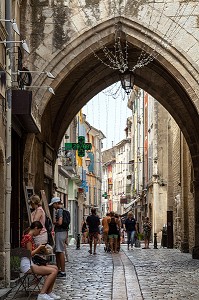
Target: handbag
<point>38,260</point>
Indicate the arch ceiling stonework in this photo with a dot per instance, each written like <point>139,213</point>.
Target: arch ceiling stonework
<point>64,34</point>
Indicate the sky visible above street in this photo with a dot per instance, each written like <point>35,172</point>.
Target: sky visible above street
<point>108,112</point>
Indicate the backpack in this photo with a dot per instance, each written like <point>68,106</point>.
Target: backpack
<point>49,228</point>
<point>48,224</point>
<point>66,219</point>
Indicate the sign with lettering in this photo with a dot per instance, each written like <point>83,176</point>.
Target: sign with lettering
<point>81,146</point>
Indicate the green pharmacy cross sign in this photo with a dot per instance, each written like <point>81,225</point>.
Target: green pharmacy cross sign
<point>81,146</point>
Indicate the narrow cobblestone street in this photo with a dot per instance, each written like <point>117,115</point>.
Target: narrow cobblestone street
<point>130,275</point>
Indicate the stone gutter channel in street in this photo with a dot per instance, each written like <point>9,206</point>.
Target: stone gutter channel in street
<point>125,283</point>
<point>129,275</point>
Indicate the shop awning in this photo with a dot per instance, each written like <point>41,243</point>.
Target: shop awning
<point>129,205</point>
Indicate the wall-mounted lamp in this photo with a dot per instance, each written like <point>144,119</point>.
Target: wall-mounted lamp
<point>50,75</point>
<point>23,42</point>
<point>42,87</point>
<point>14,25</point>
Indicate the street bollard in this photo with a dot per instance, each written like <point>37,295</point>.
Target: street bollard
<point>78,242</point>
<point>155,241</point>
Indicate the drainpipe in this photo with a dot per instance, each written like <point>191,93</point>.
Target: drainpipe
<point>8,142</point>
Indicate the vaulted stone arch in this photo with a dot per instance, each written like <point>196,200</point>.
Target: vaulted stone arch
<point>172,77</point>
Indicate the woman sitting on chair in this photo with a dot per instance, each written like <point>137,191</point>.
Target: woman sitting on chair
<point>49,271</point>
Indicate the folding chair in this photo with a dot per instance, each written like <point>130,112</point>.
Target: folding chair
<point>29,282</point>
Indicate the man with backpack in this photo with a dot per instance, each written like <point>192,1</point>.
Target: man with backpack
<point>61,222</point>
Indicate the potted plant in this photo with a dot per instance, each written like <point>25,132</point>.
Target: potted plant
<point>14,267</point>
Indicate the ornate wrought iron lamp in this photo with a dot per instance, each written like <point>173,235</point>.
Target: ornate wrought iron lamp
<point>127,81</point>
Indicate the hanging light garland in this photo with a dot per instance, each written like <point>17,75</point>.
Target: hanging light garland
<point>117,58</point>
<point>115,91</point>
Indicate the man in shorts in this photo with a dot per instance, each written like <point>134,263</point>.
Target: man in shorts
<point>105,230</point>
<point>60,236</point>
<point>93,223</point>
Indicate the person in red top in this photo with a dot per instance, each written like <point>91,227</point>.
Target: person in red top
<point>26,265</point>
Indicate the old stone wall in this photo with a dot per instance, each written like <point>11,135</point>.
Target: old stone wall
<point>176,196</point>
<point>191,200</point>
<point>188,207</point>
<point>181,193</point>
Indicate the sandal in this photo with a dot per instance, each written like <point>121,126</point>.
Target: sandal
<point>90,251</point>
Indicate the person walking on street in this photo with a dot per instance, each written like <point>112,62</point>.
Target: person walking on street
<point>105,230</point>
<point>93,223</point>
<point>60,236</point>
<point>147,232</point>
<point>130,226</point>
<point>113,223</point>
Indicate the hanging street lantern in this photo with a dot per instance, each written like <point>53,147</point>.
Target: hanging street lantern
<point>127,81</point>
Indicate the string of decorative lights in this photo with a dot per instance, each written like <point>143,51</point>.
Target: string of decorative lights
<point>107,118</point>
<point>115,91</point>
<point>93,109</point>
<point>145,58</point>
<point>168,36</point>
<point>116,102</point>
<point>99,109</point>
<point>120,120</point>
<point>170,33</point>
<point>185,19</point>
<point>118,60</point>
<point>119,163</point>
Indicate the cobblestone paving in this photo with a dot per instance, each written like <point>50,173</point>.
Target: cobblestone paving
<point>88,276</point>
<point>130,275</point>
<point>165,273</point>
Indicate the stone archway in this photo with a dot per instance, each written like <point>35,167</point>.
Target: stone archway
<point>171,78</point>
